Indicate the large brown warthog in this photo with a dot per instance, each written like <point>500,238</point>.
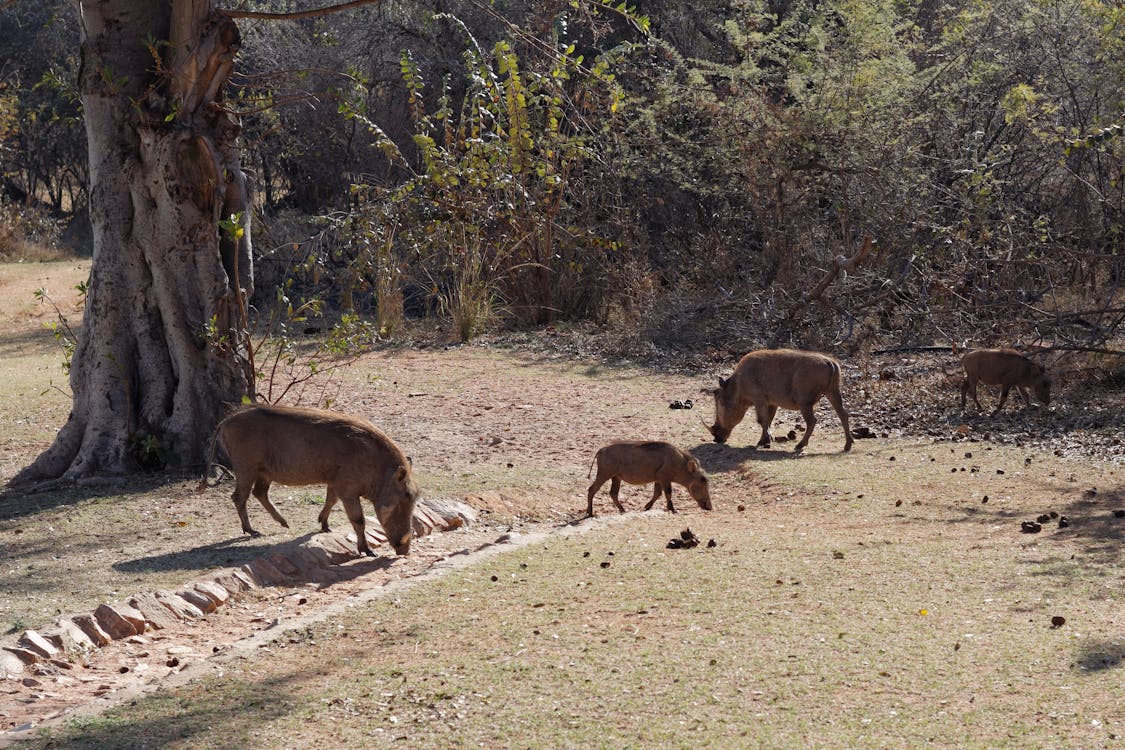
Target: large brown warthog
<point>267,444</point>
<point>1006,368</point>
<point>769,379</point>
<point>641,462</point>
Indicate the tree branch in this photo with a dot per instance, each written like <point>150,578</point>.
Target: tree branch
<point>296,15</point>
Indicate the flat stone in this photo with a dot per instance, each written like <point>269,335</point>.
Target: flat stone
<point>116,623</point>
<point>334,547</point>
<point>68,636</point>
<point>157,616</point>
<point>453,513</point>
<point>11,666</point>
<point>263,572</point>
<point>32,641</point>
<point>212,590</point>
<point>198,600</point>
<point>234,581</point>
<point>178,606</point>
<point>309,558</point>
<point>89,625</point>
<point>284,565</point>
<point>23,654</point>
<point>422,524</point>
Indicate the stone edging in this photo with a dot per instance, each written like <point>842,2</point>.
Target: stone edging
<point>314,559</point>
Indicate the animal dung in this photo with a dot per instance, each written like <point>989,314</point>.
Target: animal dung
<point>686,540</point>
<point>711,543</point>
<point>685,404</point>
<point>1064,522</point>
<point>1057,622</point>
<point>1044,518</point>
<point>1030,527</point>
<point>1119,514</point>
<point>605,563</point>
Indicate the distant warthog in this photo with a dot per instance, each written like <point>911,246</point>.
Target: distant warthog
<point>293,446</point>
<point>769,379</point>
<point>1006,368</point>
<point>641,462</point>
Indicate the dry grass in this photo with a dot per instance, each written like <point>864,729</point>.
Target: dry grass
<point>828,615</point>
<point>863,600</point>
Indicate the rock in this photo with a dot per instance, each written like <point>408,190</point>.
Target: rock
<point>120,621</point>
<point>89,625</point>
<point>32,641</point>
<point>24,655</point>
<point>333,546</point>
<point>284,564</point>
<point>213,591</point>
<point>453,512</point>
<point>263,572</point>
<point>156,614</point>
<point>235,581</point>
<point>178,606</point>
<point>199,600</point>
<point>11,666</point>
<point>69,636</point>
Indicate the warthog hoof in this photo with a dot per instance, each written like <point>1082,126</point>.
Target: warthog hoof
<point>367,552</point>
<point>252,532</point>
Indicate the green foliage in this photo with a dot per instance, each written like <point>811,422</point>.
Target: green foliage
<point>60,328</point>
<point>483,215</point>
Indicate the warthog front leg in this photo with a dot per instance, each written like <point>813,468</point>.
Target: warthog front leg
<point>1003,397</point>
<point>354,509</point>
<point>666,488</point>
<point>262,492</point>
<point>765,414</point>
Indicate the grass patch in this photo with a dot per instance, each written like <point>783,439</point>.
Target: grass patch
<point>897,632</point>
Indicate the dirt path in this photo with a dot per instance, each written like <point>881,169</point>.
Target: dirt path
<point>511,432</point>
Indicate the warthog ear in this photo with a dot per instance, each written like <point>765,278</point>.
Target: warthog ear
<point>693,466</point>
<point>400,474</point>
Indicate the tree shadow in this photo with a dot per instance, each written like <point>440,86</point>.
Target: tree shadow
<point>1099,656</point>
<point>25,500</point>
<point>233,552</point>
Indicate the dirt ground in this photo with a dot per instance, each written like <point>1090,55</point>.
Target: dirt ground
<point>509,427</point>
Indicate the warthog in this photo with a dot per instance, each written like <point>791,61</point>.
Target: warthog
<point>292,446</point>
<point>641,462</point>
<point>769,379</point>
<point>1006,368</point>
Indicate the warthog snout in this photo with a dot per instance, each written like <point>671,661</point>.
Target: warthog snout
<point>403,547</point>
<point>719,433</point>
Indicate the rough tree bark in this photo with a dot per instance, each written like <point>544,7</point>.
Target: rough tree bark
<point>161,349</point>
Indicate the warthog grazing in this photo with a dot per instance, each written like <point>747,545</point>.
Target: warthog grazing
<point>267,444</point>
<point>1006,368</point>
<point>641,462</point>
<point>769,379</point>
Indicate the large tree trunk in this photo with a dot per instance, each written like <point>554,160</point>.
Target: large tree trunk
<point>161,349</point>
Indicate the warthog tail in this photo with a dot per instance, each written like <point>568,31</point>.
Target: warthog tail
<point>204,482</point>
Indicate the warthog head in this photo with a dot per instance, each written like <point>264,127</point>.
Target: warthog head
<point>1042,388</point>
<point>726,414</point>
<point>699,488</point>
<point>395,509</point>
